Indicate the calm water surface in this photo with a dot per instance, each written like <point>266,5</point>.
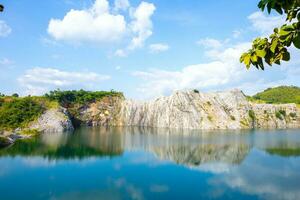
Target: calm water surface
<point>136,163</point>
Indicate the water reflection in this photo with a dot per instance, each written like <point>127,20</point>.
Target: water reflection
<point>143,163</point>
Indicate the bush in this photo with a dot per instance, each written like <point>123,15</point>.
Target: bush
<point>251,114</point>
<point>196,91</point>
<point>279,115</point>
<point>282,94</point>
<point>18,112</point>
<point>66,98</point>
<point>293,115</point>
<point>15,95</point>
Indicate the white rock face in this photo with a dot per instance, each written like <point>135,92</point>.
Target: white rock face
<point>220,110</point>
<point>53,120</point>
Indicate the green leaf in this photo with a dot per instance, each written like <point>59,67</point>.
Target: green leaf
<point>261,53</point>
<point>296,40</point>
<point>274,45</point>
<point>254,58</point>
<point>283,32</point>
<point>247,61</point>
<point>286,56</point>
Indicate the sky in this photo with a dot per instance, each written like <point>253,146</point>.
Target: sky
<point>145,48</point>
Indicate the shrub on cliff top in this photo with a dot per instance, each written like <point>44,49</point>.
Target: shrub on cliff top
<point>18,112</point>
<point>282,94</point>
<point>78,97</point>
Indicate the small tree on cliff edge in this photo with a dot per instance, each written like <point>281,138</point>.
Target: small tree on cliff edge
<point>274,49</point>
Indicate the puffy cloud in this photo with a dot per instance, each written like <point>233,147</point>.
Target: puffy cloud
<point>224,69</point>
<point>157,48</point>
<point>40,80</point>
<point>265,24</point>
<point>210,43</point>
<point>5,30</point>
<point>142,24</point>
<point>121,5</point>
<point>103,24</point>
<point>95,24</point>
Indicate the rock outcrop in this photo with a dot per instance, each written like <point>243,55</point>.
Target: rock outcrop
<point>195,110</point>
<point>181,110</point>
<point>53,120</point>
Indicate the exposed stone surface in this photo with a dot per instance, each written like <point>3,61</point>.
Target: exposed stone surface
<point>182,110</point>
<point>53,120</point>
<point>101,113</point>
<point>220,110</point>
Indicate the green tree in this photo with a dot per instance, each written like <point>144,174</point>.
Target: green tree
<point>15,95</point>
<point>1,8</point>
<point>275,48</point>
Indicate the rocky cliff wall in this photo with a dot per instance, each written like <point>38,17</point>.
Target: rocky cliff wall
<point>191,110</point>
<point>220,110</point>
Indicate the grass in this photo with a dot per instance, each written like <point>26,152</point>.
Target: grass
<point>278,95</point>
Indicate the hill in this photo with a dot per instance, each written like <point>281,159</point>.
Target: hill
<point>281,94</point>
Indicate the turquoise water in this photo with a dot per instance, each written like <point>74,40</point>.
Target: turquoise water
<point>137,163</point>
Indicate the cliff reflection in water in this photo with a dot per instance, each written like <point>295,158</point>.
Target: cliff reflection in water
<point>189,148</point>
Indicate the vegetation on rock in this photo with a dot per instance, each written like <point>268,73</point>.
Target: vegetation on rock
<point>18,112</point>
<point>282,94</point>
<point>67,98</point>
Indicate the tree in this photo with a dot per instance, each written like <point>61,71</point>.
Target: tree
<point>15,95</point>
<point>275,48</point>
<point>1,8</point>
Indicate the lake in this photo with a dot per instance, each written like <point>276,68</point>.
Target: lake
<point>145,163</point>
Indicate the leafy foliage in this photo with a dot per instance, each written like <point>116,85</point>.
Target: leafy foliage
<point>282,94</point>
<point>251,114</point>
<point>66,98</point>
<point>274,49</point>
<point>18,112</point>
<point>279,115</point>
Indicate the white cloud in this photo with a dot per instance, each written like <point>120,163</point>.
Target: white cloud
<point>222,70</point>
<point>121,5</point>
<point>210,43</point>
<point>5,62</point>
<point>103,24</point>
<point>265,24</point>
<point>142,24</point>
<point>40,80</point>
<point>121,53</point>
<point>95,24</point>
<point>157,48</point>
<point>5,30</point>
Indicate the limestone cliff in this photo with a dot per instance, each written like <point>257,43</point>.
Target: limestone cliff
<point>53,120</point>
<point>220,110</point>
<point>190,110</point>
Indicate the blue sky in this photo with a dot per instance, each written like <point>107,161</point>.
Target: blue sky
<point>143,48</point>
